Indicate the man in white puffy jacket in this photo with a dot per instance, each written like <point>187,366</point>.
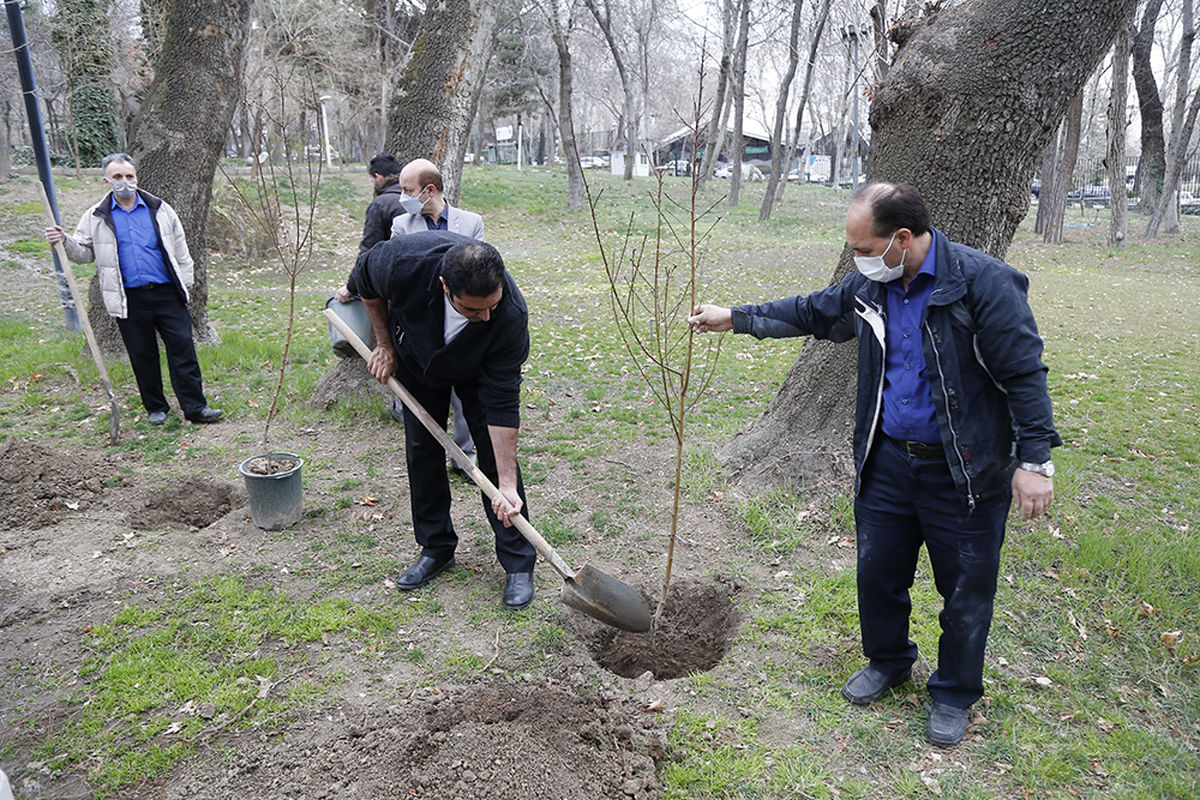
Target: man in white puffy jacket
<point>145,271</point>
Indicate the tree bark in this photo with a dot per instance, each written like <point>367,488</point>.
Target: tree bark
<point>1054,202</point>
<point>1152,165</point>
<point>968,105</point>
<point>180,132</point>
<point>1118,227</point>
<point>434,98</point>
<point>560,33</point>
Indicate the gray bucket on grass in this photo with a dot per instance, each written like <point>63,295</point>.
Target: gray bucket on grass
<point>355,315</point>
<point>276,501</point>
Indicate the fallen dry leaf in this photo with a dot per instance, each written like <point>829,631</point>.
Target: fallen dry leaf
<point>1145,609</point>
<point>1171,638</point>
<point>654,705</point>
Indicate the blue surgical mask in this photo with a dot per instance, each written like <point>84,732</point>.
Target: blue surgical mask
<point>874,268</point>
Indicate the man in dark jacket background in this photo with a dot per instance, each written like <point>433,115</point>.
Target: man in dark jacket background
<point>953,425</point>
<point>448,316</point>
<point>385,206</point>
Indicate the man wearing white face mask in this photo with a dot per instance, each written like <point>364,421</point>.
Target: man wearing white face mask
<point>953,425</point>
<point>145,271</point>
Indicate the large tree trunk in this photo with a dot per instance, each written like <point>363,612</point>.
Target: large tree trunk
<point>1167,212</point>
<point>1118,228</point>
<point>561,33</point>
<point>970,101</point>
<point>1054,201</point>
<point>1152,165</point>
<point>434,99</point>
<point>180,132</point>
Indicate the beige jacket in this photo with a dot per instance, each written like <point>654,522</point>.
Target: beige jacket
<point>95,239</point>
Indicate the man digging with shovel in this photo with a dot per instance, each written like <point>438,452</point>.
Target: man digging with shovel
<point>448,316</point>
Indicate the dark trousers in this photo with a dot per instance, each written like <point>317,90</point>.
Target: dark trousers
<point>429,485</point>
<point>159,308</point>
<point>904,502</point>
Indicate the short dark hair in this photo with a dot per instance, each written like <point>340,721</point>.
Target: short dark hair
<point>472,269</point>
<point>894,206</point>
<point>384,164</point>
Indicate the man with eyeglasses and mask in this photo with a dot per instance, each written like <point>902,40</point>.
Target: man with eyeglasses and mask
<point>145,271</point>
<point>448,316</point>
<point>953,425</point>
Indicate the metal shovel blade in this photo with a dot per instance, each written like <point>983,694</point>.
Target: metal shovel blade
<point>607,599</point>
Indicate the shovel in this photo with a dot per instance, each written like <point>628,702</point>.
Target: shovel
<point>589,590</point>
<point>114,416</point>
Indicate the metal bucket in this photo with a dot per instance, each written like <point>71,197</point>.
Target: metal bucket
<point>276,501</point>
<point>355,315</point>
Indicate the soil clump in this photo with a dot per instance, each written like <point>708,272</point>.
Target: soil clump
<point>494,739</point>
<point>38,487</point>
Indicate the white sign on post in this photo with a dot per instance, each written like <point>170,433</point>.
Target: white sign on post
<point>504,133</point>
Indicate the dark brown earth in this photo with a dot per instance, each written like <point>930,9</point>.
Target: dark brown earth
<point>38,487</point>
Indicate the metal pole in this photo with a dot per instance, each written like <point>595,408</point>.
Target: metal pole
<point>16,24</point>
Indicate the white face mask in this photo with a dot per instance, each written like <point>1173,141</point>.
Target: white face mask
<point>411,205</point>
<point>124,189</point>
<point>874,268</point>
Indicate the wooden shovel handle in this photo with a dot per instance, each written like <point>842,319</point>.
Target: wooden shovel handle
<point>519,522</point>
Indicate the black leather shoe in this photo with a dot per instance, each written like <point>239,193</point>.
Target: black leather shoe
<point>158,417</point>
<point>947,724</point>
<point>518,590</point>
<point>422,572</point>
<point>869,684</point>
<point>206,415</point>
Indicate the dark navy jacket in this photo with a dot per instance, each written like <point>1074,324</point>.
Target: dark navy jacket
<point>982,356</point>
<point>404,271</point>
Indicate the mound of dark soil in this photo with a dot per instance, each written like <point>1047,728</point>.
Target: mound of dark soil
<point>38,486</point>
<point>496,740</point>
<point>692,635</point>
<point>187,503</point>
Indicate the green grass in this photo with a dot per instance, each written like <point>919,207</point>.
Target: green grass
<point>1119,718</point>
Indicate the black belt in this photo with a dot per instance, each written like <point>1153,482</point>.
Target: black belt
<point>146,286</point>
<point>919,449</point>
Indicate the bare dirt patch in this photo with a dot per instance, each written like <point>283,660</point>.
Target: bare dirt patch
<point>692,635</point>
<point>38,487</point>
<point>188,503</point>
<point>493,739</point>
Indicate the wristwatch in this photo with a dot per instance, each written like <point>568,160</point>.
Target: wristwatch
<point>1046,469</point>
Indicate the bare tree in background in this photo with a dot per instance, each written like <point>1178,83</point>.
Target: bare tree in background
<point>1152,165</point>
<point>1183,121</point>
<point>603,14</point>
<point>778,176</point>
<point>738,144</point>
<point>1052,205</point>
<point>1118,228</point>
<point>714,136</point>
<point>561,14</point>
<point>955,121</point>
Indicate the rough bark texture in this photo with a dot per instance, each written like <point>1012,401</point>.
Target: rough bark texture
<point>1118,227</point>
<point>968,105</point>
<point>1152,166</point>
<point>435,96</point>
<point>1054,200</point>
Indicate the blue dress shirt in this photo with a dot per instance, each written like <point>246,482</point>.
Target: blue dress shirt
<point>138,253</point>
<point>908,411</point>
<point>442,222</point>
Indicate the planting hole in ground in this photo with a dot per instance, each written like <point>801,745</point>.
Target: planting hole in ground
<point>190,502</point>
<point>692,635</point>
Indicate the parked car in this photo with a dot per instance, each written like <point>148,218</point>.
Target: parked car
<point>679,166</point>
<point>1188,204</point>
<point>723,171</point>
<point>590,162</point>
<point>1096,193</point>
